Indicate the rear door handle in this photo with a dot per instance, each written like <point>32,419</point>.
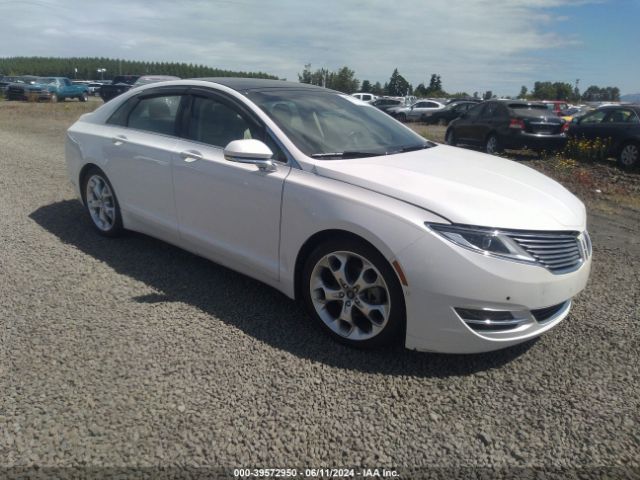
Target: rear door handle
<point>191,156</point>
<point>119,140</point>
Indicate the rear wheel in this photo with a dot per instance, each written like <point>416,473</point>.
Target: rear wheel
<point>629,156</point>
<point>443,122</point>
<point>101,203</point>
<point>492,146</point>
<point>353,293</point>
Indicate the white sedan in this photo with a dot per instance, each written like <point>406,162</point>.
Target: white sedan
<point>419,111</point>
<point>382,234</point>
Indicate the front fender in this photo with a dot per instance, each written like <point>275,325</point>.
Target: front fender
<point>313,204</point>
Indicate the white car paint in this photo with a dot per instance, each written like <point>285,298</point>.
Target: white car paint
<point>257,222</point>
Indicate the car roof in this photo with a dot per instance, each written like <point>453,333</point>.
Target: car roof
<point>635,107</point>
<point>244,84</point>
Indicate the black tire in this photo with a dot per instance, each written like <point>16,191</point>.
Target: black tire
<point>394,327</point>
<point>402,117</point>
<point>450,137</point>
<point>115,229</point>
<point>54,98</point>
<point>443,122</point>
<point>83,98</point>
<point>492,145</point>
<point>629,156</point>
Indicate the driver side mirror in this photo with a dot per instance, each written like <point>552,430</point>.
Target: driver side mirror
<point>250,151</point>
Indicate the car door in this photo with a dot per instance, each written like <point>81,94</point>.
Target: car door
<point>617,126</point>
<point>227,211</point>
<point>67,89</point>
<point>139,148</point>
<point>476,124</point>
<point>463,124</point>
<point>589,126</point>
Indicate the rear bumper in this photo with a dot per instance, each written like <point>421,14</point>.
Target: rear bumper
<point>519,139</point>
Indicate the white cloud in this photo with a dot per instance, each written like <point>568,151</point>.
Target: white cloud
<point>472,44</point>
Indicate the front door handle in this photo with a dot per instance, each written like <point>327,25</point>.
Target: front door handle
<point>119,140</point>
<point>191,156</point>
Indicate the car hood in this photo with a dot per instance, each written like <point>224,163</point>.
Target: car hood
<point>465,187</point>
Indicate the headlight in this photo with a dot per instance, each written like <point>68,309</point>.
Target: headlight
<point>483,240</point>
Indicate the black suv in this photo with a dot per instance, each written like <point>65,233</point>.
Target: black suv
<point>499,124</point>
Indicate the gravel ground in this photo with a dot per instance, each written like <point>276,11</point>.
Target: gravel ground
<point>133,353</point>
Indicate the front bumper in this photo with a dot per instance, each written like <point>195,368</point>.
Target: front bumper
<point>443,277</point>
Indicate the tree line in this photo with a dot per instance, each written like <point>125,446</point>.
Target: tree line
<point>88,68</point>
<point>568,92</point>
<point>344,80</point>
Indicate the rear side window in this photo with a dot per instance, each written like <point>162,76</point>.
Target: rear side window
<point>156,114</point>
<point>622,116</point>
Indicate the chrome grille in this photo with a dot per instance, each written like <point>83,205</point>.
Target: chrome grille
<point>558,252</point>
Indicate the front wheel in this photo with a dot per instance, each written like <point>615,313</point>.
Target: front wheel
<point>353,293</point>
<point>629,156</point>
<point>450,138</point>
<point>83,98</point>
<point>102,204</point>
<point>54,98</point>
<point>402,117</point>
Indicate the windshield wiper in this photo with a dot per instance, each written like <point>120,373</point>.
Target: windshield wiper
<point>413,148</point>
<point>347,154</point>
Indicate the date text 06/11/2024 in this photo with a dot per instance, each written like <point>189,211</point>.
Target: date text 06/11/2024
<point>314,473</point>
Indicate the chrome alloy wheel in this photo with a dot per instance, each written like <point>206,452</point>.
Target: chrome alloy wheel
<point>350,295</point>
<point>101,203</point>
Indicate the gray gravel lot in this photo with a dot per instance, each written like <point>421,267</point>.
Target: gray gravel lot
<point>133,353</point>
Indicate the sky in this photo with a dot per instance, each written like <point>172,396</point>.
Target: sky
<point>474,45</point>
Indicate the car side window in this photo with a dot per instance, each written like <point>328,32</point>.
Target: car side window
<point>621,116</point>
<point>156,114</point>
<point>119,117</point>
<point>593,117</point>
<point>488,110</point>
<point>216,123</point>
<point>475,111</point>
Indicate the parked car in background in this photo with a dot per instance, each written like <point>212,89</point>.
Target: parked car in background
<point>94,88</point>
<point>556,106</point>
<point>365,97</point>
<point>147,79</point>
<point>118,86</point>
<point>619,125</point>
<point>419,111</point>
<point>575,111</point>
<point>450,112</point>
<point>4,84</point>
<point>381,234</point>
<point>499,124</point>
<point>51,89</point>
<point>385,103</point>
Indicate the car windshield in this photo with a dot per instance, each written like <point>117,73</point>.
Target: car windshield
<point>330,126</point>
<point>46,81</point>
